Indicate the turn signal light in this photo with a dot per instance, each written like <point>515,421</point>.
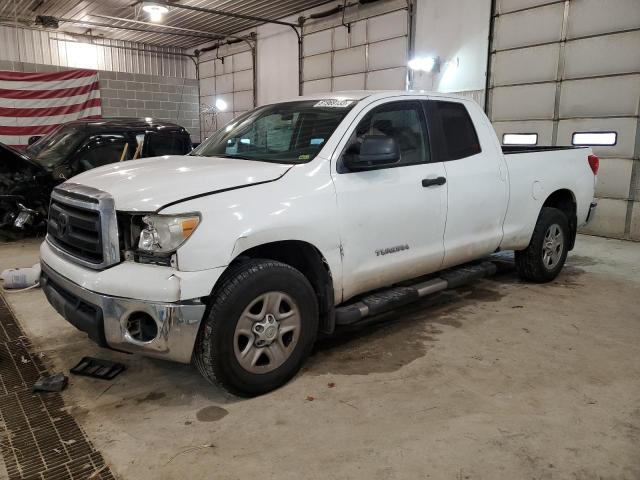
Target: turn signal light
<point>594,163</point>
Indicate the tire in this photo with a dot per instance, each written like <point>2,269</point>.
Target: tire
<point>233,349</point>
<point>544,258</point>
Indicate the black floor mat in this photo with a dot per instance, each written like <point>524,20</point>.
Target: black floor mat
<point>98,368</point>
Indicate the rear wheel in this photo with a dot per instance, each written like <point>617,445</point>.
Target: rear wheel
<point>260,328</point>
<point>544,258</point>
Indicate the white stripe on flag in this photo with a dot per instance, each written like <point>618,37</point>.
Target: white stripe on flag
<point>53,120</point>
<point>14,140</point>
<point>47,102</point>
<point>48,85</point>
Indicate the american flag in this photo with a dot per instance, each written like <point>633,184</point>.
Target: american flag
<point>36,103</point>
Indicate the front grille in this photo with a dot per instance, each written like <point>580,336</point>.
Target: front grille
<point>82,226</point>
<point>76,230</point>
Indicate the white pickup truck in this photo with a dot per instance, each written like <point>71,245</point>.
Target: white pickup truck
<point>298,217</point>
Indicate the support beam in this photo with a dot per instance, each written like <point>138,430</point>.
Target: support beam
<point>137,29</point>
<point>215,11</point>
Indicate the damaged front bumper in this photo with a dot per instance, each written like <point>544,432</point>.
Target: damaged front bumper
<point>107,304</point>
<point>107,320</point>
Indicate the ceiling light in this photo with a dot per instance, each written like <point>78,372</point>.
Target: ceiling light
<point>422,64</point>
<point>155,11</point>
<point>221,104</point>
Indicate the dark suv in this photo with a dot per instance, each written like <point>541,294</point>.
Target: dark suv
<point>27,178</point>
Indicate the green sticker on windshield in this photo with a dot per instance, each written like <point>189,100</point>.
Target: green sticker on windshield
<point>304,157</point>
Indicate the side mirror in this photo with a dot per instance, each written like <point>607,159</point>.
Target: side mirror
<point>33,139</point>
<point>374,151</point>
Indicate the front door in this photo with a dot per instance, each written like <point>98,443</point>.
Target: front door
<point>392,218</point>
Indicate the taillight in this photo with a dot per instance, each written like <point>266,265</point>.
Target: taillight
<point>594,163</point>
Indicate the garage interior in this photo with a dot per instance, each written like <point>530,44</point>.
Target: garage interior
<point>495,379</point>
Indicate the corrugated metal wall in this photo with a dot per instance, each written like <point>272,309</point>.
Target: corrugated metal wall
<point>52,48</point>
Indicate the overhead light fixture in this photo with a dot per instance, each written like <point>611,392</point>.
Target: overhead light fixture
<point>221,104</point>
<point>154,10</point>
<point>422,64</point>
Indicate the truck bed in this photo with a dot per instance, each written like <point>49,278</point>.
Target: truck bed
<point>511,149</point>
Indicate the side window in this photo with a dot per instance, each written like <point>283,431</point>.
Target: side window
<point>159,144</point>
<point>458,135</point>
<point>103,150</point>
<point>403,121</point>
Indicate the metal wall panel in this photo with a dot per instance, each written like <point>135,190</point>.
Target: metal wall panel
<point>316,66</point>
<point>586,78</point>
<point>384,27</point>
<point>370,54</point>
<point>544,129</point>
<point>525,65</point>
<point>606,97</point>
<point>613,178</point>
<point>505,6</point>
<point>388,53</point>
<point>349,82</point>
<point>316,86</point>
<point>589,17</point>
<point>390,79</point>
<point>318,42</point>
<point>524,102</point>
<point>351,60</point>
<point>625,127</point>
<point>619,53</point>
<point>53,48</point>
<point>529,27</point>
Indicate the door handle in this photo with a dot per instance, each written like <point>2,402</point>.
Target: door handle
<point>430,182</point>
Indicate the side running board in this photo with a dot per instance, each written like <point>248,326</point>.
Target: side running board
<point>395,297</point>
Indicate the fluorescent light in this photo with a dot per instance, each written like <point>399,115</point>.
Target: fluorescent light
<point>520,139</point>
<point>422,64</point>
<point>155,11</point>
<point>221,104</point>
<point>594,138</point>
<point>148,119</point>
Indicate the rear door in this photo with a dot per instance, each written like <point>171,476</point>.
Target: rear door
<point>391,225</point>
<point>477,192</point>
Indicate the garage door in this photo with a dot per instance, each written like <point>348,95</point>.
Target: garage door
<point>228,77</point>
<point>568,72</point>
<point>368,54</point>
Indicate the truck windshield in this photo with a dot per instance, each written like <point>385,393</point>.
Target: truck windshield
<point>292,132</point>
<point>52,149</point>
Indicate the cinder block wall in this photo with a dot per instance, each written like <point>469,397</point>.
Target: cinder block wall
<point>137,95</point>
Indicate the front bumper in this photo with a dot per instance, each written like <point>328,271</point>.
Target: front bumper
<point>104,318</point>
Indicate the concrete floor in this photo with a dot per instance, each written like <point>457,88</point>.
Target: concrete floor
<point>505,380</point>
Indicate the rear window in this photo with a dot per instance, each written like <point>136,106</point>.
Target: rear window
<point>459,135</point>
<point>159,144</point>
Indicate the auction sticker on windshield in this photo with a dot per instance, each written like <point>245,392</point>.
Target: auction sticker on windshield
<point>334,103</point>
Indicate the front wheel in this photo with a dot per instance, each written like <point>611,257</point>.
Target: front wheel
<point>543,259</point>
<point>260,328</point>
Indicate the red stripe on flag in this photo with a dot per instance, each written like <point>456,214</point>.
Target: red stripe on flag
<point>34,130</point>
<point>49,111</point>
<point>59,93</point>
<point>46,76</point>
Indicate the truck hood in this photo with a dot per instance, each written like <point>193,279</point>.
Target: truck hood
<point>149,184</point>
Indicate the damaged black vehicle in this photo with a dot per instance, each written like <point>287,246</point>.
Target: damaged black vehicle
<point>27,178</point>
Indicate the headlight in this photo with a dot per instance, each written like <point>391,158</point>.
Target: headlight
<point>165,233</point>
